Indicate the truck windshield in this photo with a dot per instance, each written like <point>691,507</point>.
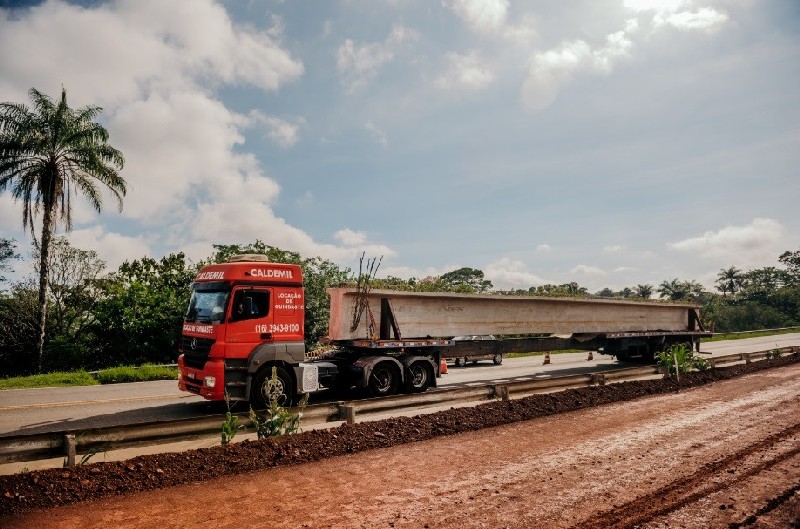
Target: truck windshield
<point>207,306</point>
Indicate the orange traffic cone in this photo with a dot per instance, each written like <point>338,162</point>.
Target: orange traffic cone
<point>443,367</point>
<point>546,359</point>
<point>591,356</point>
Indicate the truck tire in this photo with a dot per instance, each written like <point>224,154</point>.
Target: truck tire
<point>461,361</point>
<point>263,388</point>
<point>383,380</point>
<point>419,377</point>
<point>497,359</point>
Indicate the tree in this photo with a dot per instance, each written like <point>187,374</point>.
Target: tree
<point>730,280</point>
<point>47,154</point>
<point>673,289</point>
<point>466,280</point>
<point>7,253</point>
<point>643,291</point>
<point>72,297</point>
<point>762,283</point>
<point>567,289</point>
<point>791,260</point>
<point>18,329</point>
<point>138,315</point>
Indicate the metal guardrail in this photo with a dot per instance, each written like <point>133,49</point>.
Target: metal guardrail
<point>32,447</point>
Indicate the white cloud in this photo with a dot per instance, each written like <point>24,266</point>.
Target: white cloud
<point>279,130</point>
<point>586,270</point>
<point>10,212</point>
<point>378,134</point>
<point>506,274</point>
<point>544,247</point>
<point>550,69</point>
<point>654,5</point>
<point>350,237</point>
<point>306,199</point>
<point>705,19</point>
<point>612,248</point>
<point>358,64</point>
<point>465,71</point>
<point>118,52</point>
<point>482,15</point>
<point>112,248</point>
<point>757,243</point>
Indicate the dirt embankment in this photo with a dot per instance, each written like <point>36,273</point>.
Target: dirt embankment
<point>22,493</point>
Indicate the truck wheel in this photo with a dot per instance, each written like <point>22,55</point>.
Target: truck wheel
<point>383,380</point>
<point>461,362</point>
<point>264,389</point>
<point>420,376</point>
<point>497,359</point>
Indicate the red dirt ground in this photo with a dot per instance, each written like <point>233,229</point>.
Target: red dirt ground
<point>720,450</point>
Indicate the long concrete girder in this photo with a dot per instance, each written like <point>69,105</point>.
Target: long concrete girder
<point>447,314</point>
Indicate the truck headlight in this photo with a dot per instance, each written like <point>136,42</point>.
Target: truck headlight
<point>210,382</point>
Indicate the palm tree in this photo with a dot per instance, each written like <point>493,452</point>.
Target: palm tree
<point>730,280</point>
<point>47,154</point>
<point>643,291</point>
<point>673,290</point>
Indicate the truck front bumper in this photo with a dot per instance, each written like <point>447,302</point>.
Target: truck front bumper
<point>208,382</point>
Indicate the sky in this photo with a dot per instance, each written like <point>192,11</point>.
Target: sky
<point>611,143</point>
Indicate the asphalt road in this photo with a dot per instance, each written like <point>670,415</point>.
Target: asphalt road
<point>55,409</point>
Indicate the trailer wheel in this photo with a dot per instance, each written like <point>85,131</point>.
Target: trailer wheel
<point>264,389</point>
<point>383,380</point>
<point>461,361</point>
<point>497,359</point>
<point>420,376</point>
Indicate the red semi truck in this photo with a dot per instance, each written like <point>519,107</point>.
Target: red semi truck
<point>246,317</point>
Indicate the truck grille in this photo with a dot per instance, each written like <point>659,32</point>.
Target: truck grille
<point>195,351</point>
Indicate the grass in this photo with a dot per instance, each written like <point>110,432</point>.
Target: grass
<point>750,334</point>
<point>136,374</point>
<point>49,380</point>
<point>84,378</point>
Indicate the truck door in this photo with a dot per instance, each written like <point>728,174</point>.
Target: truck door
<point>249,321</point>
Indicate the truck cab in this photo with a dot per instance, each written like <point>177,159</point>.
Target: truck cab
<point>244,318</point>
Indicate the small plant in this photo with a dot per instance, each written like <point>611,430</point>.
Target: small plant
<point>277,420</point>
<point>701,364</point>
<point>85,458</point>
<point>681,359</point>
<point>231,423</point>
<point>774,353</point>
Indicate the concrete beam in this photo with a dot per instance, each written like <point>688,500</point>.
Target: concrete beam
<point>446,314</point>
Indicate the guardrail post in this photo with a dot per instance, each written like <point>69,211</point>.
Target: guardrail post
<point>69,449</point>
<point>599,379</point>
<point>347,413</point>
<point>746,357</point>
<point>712,363</point>
<point>502,391</point>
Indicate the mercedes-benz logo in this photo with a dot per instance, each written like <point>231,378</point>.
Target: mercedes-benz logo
<point>193,344</point>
